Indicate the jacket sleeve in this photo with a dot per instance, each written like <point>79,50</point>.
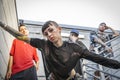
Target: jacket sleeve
<point>38,43</point>
<point>101,60</point>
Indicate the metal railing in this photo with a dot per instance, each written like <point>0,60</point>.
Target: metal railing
<point>103,71</point>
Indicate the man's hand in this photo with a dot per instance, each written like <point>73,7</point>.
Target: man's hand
<point>36,67</point>
<point>106,27</point>
<point>108,49</point>
<point>8,75</point>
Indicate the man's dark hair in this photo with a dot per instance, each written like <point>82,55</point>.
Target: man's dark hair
<point>102,24</point>
<point>49,23</point>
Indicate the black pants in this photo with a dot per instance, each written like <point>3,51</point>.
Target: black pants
<point>78,68</point>
<point>28,74</point>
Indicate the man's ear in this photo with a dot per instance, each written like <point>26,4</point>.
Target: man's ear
<point>59,28</point>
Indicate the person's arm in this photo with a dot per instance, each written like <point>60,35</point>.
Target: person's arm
<point>86,54</point>
<point>37,65</point>
<point>95,39</point>
<point>98,40</point>
<point>115,33</point>
<point>14,32</point>
<point>9,68</point>
<point>101,60</point>
<point>36,58</point>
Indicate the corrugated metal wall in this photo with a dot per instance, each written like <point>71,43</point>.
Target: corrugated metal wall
<point>7,15</point>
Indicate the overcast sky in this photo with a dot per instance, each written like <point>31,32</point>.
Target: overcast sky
<point>87,13</point>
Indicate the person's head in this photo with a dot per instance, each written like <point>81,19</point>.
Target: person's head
<point>74,34</point>
<point>102,27</point>
<point>52,31</point>
<point>23,30</point>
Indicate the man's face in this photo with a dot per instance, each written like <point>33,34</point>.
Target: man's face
<point>101,28</point>
<point>52,33</point>
<point>71,36</point>
<point>24,30</point>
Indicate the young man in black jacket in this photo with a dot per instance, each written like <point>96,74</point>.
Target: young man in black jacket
<point>61,56</point>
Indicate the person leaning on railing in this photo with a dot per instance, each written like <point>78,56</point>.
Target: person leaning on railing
<point>99,37</point>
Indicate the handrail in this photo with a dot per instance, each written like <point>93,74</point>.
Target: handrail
<point>111,75</point>
<point>103,71</point>
<point>92,75</point>
<point>107,43</point>
<point>42,76</point>
<point>109,46</point>
<point>110,41</point>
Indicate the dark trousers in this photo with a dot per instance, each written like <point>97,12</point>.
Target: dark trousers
<point>28,74</point>
<point>78,68</point>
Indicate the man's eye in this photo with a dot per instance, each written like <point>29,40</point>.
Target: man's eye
<point>50,30</point>
<point>46,34</point>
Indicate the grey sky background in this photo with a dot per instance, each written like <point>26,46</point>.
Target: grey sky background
<point>87,13</point>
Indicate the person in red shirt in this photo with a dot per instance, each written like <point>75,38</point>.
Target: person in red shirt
<point>21,65</point>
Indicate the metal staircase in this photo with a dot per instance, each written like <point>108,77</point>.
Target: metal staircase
<point>93,71</point>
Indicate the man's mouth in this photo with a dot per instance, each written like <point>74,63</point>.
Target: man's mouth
<point>52,38</point>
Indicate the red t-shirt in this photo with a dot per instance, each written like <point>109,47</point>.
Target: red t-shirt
<point>23,56</point>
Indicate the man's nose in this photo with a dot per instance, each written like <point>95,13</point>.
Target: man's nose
<point>24,31</point>
<point>49,34</point>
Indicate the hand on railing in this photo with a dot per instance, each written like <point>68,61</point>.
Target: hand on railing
<point>108,49</point>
